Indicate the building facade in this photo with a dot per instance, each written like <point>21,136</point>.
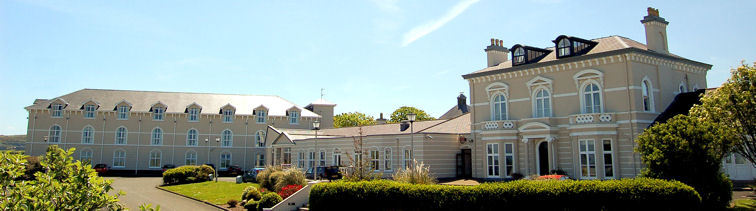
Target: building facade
<point>143,130</point>
<point>576,106</point>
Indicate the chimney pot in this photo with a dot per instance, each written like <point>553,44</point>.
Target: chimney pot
<point>493,41</point>
<point>496,53</point>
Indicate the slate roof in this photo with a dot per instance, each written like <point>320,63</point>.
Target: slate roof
<point>176,102</point>
<point>453,112</point>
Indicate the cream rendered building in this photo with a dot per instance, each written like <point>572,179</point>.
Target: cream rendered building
<point>576,106</point>
<point>135,131</point>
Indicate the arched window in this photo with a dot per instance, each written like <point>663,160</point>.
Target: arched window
<point>157,136</point>
<point>191,137</point>
<point>191,157</point>
<point>387,159</point>
<point>54,136</point>
<point>564,47</point>
<point>682,88</point>
<point>499,107</point>
<point>87,135</point>
<point>85,156</point>
<point>227,138</point>
<point>646,95</point>
<point>542,103</point>
<point>591,99</point>
<point>156,157</point>
<point>260,139</point>
<point>119,159</point>
<point>519,56</point>
<point>225,160</point>
<point>121,136</point>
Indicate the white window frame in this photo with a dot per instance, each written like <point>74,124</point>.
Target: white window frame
<point>260,139</point>
<point>647,95</point>
<point>310,159</point>
<point>592,95</point>
<point>588,155</point>
<point>227,138</point>
<point>56,110</point>
<point>192,137</point>
<point>293,117</point>
<point>493,162</point>
<point>158,113</point>
<point>503,107</point>
<point>156,136</point>
<point>301,159</point>
<point>375,159</point>
<point>260,160</point>
<point>193,115</point>
<point>119,157</point>
<point>89,111</point>
<point>190,157</point>
<point>564,49</point>
<point>87,135</point>
<point>260,116</point>
<point>407,157</point>
<point>121,137</point>
<point>54,134</point>
<point>518,56</point>
<point>86,154</point>
<point>228,115</point>
<point>544,100</point>
<point>336,157</point>
<point>225,160</point>
<point>123,113</point>
<point>156,157</point>
<point>610,153</point>
<point>322,158</point>
<point>387,157</point>
<point>509,164</point>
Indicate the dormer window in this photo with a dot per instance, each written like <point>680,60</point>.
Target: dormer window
<point>89,111</point>
<point>293,117</point>
<point>260,116</point>
<point>56,110</point>
<point>228,115</point>
<point>564,48</point>
<point>123,112</point>
<point>518,56</point>
<point>572,46</point>
<point>193,114</point>
<point>525,54</point>
<point>158,113</point>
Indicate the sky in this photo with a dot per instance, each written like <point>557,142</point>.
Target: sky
<point>369,56</point>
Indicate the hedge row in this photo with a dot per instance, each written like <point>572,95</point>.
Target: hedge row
<point>187,174</point>
<point>625,194</point>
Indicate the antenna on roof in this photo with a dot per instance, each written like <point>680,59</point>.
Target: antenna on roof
<point>322,90</point>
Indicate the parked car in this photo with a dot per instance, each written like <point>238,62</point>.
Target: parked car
<point>330,173</point>
<point>168,166</point>
<point>211,165</point>
<point>553,177</point>
<point>251,175</point>
<point>233,170</point>
<point>101,168</point>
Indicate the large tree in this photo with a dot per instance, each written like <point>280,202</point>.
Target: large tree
<point>689,149</point>
<point>734,105</point>
<point>400,114</point>
<point>352,119</point>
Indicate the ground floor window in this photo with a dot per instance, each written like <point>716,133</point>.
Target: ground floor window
<point>260,161</point>
<point>286,155</point>
<point>301,160</point>
<point>357,159</point>
<point>608,159</point>
<point>311,159</point>
<point>155,159</point>
<point>191,158</point>
<point>387,159</point>
<point>587,158</point>
<point>509,159</point>
<point>375,159</point>
<point>336,158</point>
<point>492,158</point>
<point>407,158</point>
<point>322,158</point>
<point>225,160</point>
<point>86,156</point>
<point>119,159</point>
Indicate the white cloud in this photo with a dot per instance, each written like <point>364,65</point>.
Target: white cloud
<point>387,5</point>
<point>425,29</point>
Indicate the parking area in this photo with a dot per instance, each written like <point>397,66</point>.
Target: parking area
<point>141,190</point>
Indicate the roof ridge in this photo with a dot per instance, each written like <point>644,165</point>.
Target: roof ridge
<point>172,92</point>
<point>429,127</point>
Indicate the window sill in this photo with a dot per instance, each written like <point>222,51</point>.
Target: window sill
<point>122,119</point>
<point>192,121</point>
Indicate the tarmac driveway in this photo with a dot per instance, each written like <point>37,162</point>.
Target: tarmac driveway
<point>141,190</point>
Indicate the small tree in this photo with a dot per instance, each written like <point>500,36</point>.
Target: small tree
<point>352,119</point>
<point>361,168</point>
<point>400,114</point>
<point>688,149</point>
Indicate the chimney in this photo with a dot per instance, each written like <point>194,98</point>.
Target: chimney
<point>381,121</point>
<point>656,31</point>
<point>496,52</point>
<point>462,103</point>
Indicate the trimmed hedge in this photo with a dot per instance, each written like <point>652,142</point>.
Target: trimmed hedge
<point>187,174</point>
<point>625,194</point>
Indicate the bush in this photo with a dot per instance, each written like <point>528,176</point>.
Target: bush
<point>625,194</point>
<point>263,177</point>
<point>289,190</point>
<point>32,166</point>
<point>185,174</point>
<point>291,176</point>
<point>251,205</point>
<point>204,173</point>
<point>418,173</point>
<point>251,194</point>
<point>232,202</point>
<point>269,200</point>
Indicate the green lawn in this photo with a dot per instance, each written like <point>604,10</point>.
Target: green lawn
<point>744,204</point>
<point>216,193</point>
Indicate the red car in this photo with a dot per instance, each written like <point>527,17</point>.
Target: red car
<point>101,168</point>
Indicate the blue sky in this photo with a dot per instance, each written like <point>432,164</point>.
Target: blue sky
<point>370,56</point>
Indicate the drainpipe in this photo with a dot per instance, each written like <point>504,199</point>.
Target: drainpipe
<point>34,126</point>
<point>102,145</point>
<point>139,138</point>
<point>629,112</point>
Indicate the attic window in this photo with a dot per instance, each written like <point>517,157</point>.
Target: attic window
<point>572,46</point>
<point>527,54</point>
<point>519,56</point>
<point>57,110</point>
<point>565,49</point>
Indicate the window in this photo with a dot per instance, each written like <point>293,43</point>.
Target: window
<point>509,159</point>
<point>191,158</point>
<point>193,115</point>
<point>119,159</point>
<point>228,115</point>
<point>357,159</point>
<point>311,159</point>
<point>287,156</point>
<point>123,112</point>
<point>121,136</point>
<point>492,157</point>
<point>158,113</point>
<point>227,138</point>
<point>260,161</point>
<point>157,136</point>
<point>608,161</point>
<point>542,103</point>
<point>337,157</point>
<point>225,160</point>
<point>682,88</point>
<point>591,99</point>
<point>191,137</point>
<point>260,138</point>
<point>57,110</point>
<point>646,94</point>
<point>293,117</point>
<point>499,107</point>
<point>407,158</point>
<point>86,156</point>
<point>301,159</point>
<point>564,47</point>
<point>155,158</point>
<point>387,159</point>
<point>375,159</point>
<point>587,159</point>
<point>519,56</point>
<point>260,116</point>
<point>54,136</point>
<point>322,158</point>
<point>87,135</point>
<point>89,111</point>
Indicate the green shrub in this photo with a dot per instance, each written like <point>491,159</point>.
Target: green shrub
<point>251,194</point>
<point>291,176</point>
<point>204,173</point>
<point>273,180</point>
<point>263,177</point>
<point>32,166</point>
<point>625,194</point>
<point>251,205</point>
<point>186,174</point>
<point>418,173</point>
<point>268,200</point>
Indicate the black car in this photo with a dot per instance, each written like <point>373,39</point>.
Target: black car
<point>251,175</point>
<point>330,173</point>
<point>168,166</point>
<point>234,170</point>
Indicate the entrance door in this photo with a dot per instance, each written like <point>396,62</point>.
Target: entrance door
<point>464,164</point>
<point>543,158</point>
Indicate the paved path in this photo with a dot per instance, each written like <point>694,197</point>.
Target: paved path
<point>141,190</point>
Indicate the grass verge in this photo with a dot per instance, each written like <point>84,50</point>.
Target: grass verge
<point>216,193</point>
<point>744,204</point>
